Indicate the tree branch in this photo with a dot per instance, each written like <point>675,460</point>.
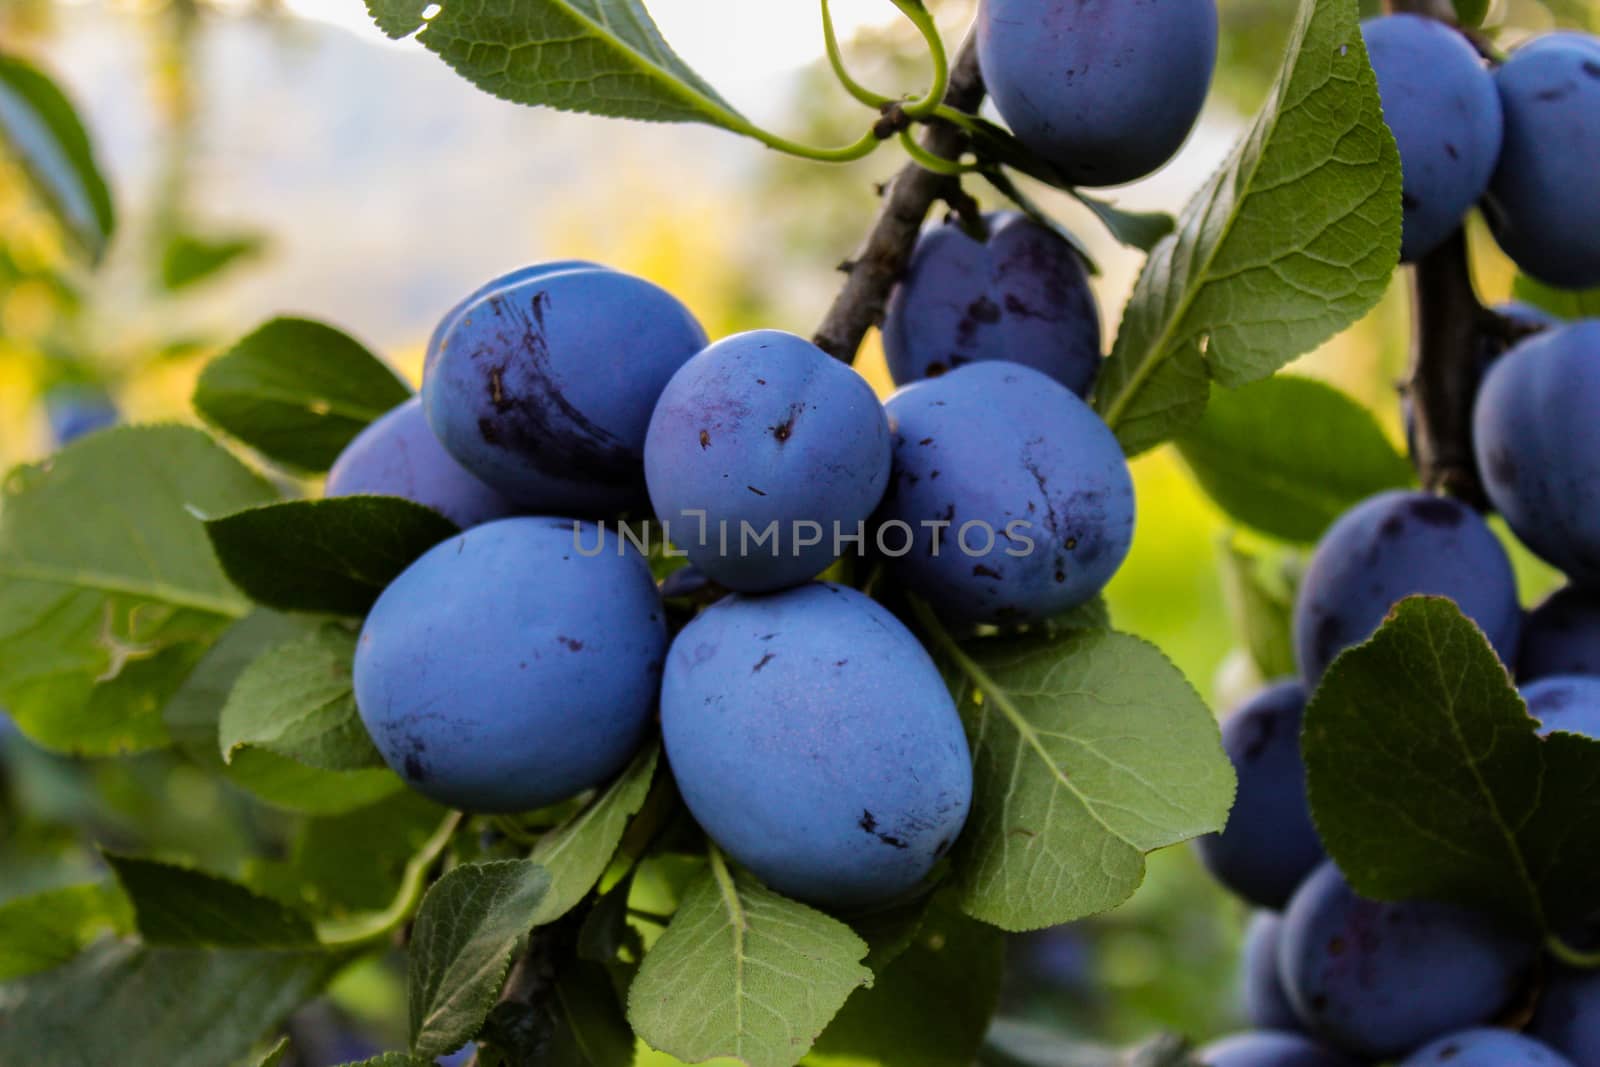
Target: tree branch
<point>883,256</point>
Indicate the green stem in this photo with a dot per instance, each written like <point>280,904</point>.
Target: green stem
<point>365,929</point>
<point>928,161</point>
<point>955,117</point>
<point>844,154</point>
<point>922,19</point>
<point>830,38</point>
<point>1572,957</point>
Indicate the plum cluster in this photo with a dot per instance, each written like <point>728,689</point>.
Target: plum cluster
<point>566,406</point>
<point>1332,978</point>
<point>1523,141</point>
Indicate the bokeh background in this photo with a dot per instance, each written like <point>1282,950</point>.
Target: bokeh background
<point>272,156</point>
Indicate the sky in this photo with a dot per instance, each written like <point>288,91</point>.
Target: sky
<point>737,45</point>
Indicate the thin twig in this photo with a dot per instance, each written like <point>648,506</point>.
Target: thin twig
<point>882,258</point>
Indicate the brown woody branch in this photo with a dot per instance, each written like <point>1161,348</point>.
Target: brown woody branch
<point>883,256</point>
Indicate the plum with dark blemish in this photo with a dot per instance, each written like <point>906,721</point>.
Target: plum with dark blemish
<point>544,388</point>
<point>1265,1003</point>
<point>504,281</point>
<point>1107,92</point>
<point>1440,101</point>
<point>1568,1019</point>
<point>399,456</point>
<point>729,460</point>
<point>1391,546</point>
<point>1378,979</point>
<point>1487,1047</point>
<point>1538,446</point>
<point>1022,295</point>
<point>1034,490</point>
<point>1269,844</point>
<point>505,671</point>
<point>1267,1048</point>
<point>1561,636</point>
<point>838,771</point>
<point>1541,204</point>
<point>1568,704</point>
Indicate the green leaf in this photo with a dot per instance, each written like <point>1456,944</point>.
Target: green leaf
<point>185,908</point>
<point>1290,242</point>
<point>40,129</point>
<point>932,1005</point>
<point>191,717</point>
<point>1287,456</point>
<point>744,972</point>
<point>593,1030</point>
<point>1428,778</point>
<point>1136,229</point>
<point>108,588</point>
<point>604,57</point>
<point>297,392</point>
<point>121,1003</point>
<point>354,862</point>
<point>1089,751</point>
<point>1562,303</point>
<point>190,258</point>
<point>328,556</point>
<point>392,1059</point>
<point>1011,1043</point>
<point>461,946</point>
<point>576,853</point>
<point>1471,13</point>
<point>47,929</point>
<point>1260,595</point>
<point>298,700</point>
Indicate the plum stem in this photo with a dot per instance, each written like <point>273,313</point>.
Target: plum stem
<point>1572,957</point>
<point>883,256</point>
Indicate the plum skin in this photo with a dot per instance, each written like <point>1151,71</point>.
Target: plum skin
<point>505,670</point>
<point>1561,636</point>
<point>1269,844</point>
<point>1018,454</point>
<point>814,740</point>
<point>544,389</point>
<point>765,427</point>
<point>1267,1048</point>
<point>1106,90</point>
<point>505,281</point>
<point>1568,1018</point>
<point>1266,1004</point>
<point>1021,295</point>
<point>397,455</point>
<point>1486,1047</point>
<point>1441,103</point>
<point>1379,979</point>
<point>1541,203</point>
<point>1569,704</point>
<point>1391,546</point>
<point>1538,446</point>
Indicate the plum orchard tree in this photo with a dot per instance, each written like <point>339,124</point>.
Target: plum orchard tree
<point>778,803</point>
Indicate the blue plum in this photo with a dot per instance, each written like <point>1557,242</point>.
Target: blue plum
<point>1541,202</point>
<point>399,456</point>
<point>1266,1004</point>
<point>814,740</point>
<point>1391,546</point>
<point>544,388</point>
<point>1569,704</point>
<point>504,281</point>
<point>1486,1048</point>
<point>1107,92</point>
<point>1561,636</point>
<point>1010,498</point>
<point>762,433</point>
<point>514,665</point>
<point>1266,1048</point>
<point>76,411</point>
<point>1440,101</point>
<point>1379,979</point>
<point>1568,1018</point>
<point>1022,295</point>
<point>1269,844</point>
<point>1538,446</point>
